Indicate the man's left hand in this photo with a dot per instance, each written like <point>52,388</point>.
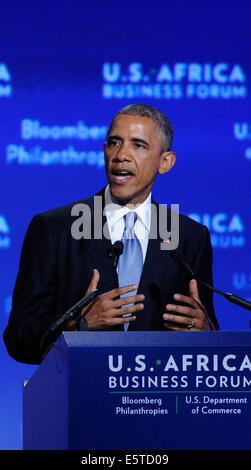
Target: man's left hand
<point>189,317</point>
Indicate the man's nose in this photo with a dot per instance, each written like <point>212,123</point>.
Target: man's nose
<point>123,153</point>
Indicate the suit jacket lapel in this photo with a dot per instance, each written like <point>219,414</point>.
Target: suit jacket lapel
<point>156,259</point>
<point>97,247</point>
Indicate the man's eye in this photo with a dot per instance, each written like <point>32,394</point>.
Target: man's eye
<point>113,142</point>
<point>139,145</point>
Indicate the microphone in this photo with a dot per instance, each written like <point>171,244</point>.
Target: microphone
<point>115,250</point>
<point>74,313</point>
<point>231,297</point>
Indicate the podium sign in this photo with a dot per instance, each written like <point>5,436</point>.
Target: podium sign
<point>141,390</point>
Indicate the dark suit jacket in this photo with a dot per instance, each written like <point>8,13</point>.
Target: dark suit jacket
<point>55,270</point>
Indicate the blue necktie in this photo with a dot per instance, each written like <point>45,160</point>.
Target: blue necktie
<point>131,261</point>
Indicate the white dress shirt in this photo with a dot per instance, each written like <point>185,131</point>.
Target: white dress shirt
<point>116,223</point>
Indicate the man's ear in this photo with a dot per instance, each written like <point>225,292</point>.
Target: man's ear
<point>167,160</point>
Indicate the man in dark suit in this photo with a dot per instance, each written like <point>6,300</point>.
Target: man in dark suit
<point>57,269</point>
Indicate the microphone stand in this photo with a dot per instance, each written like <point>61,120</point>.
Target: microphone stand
<point>231,297</point>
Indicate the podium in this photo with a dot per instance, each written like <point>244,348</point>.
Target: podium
<point>141,390</point>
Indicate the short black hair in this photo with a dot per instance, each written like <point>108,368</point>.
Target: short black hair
<point>146,110</point>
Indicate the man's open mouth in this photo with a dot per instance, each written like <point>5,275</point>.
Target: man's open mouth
<point>120,176</point>
<point>118,172</point>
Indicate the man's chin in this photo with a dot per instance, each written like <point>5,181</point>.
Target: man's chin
<point>121,193</point>
<point>121,196</point>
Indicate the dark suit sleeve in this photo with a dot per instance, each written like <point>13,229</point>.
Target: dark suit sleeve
<point>33,303</point>
<point>203,268</point>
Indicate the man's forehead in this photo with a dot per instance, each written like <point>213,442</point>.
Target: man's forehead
<point>131,124</point>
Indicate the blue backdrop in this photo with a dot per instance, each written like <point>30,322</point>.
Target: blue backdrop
<point>65,68</point>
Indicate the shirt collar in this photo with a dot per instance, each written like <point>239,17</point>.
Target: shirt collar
<point>114,211</point>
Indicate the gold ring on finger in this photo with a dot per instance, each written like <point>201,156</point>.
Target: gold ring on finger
<point>190,325</point>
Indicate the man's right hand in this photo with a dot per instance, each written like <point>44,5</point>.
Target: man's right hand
<point>105,310</point>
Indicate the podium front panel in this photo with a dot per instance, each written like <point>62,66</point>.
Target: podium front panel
<point>144,390</point>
